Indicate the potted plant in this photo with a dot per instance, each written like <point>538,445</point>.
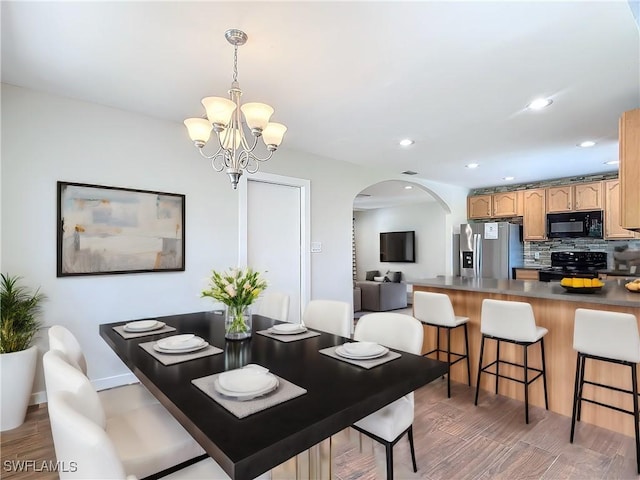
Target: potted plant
<point>19,323</point>
<point>237,289</point>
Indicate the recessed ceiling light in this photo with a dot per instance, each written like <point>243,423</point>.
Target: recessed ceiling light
<point>508,178</point>
<point>587,144</point>
<point>472,165</point>
<point>539,103</point>
<point>405,142</point>
<point>408,187</point>
<point>612,162</point>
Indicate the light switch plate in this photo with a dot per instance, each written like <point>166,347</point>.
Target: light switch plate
<point>316,247</point>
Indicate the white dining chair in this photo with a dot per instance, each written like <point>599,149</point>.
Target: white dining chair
<point>274,305</point>
<point>329,316</point>
<point>389,424</point>
<point>115,400</point>
<point>147,440</point>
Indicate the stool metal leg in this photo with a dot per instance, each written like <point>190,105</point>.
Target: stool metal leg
<point>497,364</point>
<point>389,449</point>
<point>449,362</point>
<point>466,344</point>
<point>634,383</point>
<point>576,398</point>
<point>438,343</point>
<point>544,375</point>
<point>526,385</point>
<point>479,369</point>
<point>582,369</point>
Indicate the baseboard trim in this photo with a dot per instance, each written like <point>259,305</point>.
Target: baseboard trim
<point>98,384</point>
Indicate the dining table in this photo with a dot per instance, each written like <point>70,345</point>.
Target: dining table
<point>337,393</point>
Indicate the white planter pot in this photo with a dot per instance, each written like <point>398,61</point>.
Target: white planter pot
<point>18,371</point>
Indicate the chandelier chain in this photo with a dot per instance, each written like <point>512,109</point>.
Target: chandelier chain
<point>235,63</point>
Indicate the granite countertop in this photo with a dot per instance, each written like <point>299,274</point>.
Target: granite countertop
<point>613,292</point>
<point>620,273</point>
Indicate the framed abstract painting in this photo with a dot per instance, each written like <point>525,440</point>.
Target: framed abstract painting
<point>105,230</point>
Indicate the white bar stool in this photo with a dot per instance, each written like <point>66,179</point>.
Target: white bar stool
<point>435,310</point>
<point>512,322</point>
<point>606,337</point>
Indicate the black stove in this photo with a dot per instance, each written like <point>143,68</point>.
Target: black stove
<point>574,264</point>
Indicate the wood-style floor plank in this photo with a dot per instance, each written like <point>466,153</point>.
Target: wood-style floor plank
<point>453,440</point>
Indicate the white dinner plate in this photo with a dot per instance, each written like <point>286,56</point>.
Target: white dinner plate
<point>363,349</point>
<point>143,326</point>
<point>242,397</point>
<point>174,351</point>
<point>246,381</point>
<point>180,342</point>
<point>287,329</point>
<point>340,351</point>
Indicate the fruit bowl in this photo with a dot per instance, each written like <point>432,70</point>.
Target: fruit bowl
<point>633,287</point>
<point>581,285</point>
<point>581,289</point>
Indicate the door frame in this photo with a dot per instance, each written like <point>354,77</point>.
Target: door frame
<point>305,225</point>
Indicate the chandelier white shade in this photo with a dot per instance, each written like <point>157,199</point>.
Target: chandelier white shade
<point>224,117</point>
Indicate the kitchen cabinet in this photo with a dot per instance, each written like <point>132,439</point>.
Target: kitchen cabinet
<point>505,204</point>
<point>629,133</point>
<point>479,206</point>
<point>571,198</point>
<point>612,228</point>
<point>526,274</point>
<point>534,219</point>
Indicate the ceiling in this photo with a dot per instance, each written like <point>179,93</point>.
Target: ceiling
<point>350,79</point>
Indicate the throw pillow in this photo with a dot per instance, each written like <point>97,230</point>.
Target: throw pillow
<point>372,274</point>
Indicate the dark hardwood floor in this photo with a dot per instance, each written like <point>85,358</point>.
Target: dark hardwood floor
<point>453,439</point>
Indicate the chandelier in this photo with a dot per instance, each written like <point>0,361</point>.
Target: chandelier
<point>235,149</point>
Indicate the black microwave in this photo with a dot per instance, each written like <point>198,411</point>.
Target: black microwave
<point>575,225</point>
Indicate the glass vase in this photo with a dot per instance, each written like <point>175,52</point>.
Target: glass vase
<point>237,322</point>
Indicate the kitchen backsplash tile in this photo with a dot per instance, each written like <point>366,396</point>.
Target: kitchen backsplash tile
<point>544,249</point>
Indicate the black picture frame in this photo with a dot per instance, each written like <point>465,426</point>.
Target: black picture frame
<point>106,230</point>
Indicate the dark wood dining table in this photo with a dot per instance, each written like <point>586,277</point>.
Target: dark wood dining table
<point>338,393</point>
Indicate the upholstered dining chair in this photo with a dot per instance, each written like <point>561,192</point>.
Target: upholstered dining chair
<point>94,455</point>
<point>115,400</point>
<point>329,316</point>
<point>147,440</point>
<point>274,305</point>
<point>389,424</point>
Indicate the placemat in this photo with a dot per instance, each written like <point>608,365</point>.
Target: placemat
<point>127,335</point>
<point>289,338</point>
<point>173,358</point>
<point>241,409</point>
<point>374,362</point>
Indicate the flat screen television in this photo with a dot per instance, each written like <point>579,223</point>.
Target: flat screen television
<point>397,247</point>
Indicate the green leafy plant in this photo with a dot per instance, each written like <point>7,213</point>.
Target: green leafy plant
<point>20,309</point>
<point>237,289</point>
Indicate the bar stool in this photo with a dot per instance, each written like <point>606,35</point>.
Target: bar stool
<point>607,337</point>
<point>512,322</point>
<point>435,310</point>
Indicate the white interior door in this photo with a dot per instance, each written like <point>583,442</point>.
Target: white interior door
<point>275,234</point>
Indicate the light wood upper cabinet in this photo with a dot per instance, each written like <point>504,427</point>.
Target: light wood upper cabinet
<point>559,199</point>
<point>534,218</point>
<point>588,196</point>
<point>612,228</point>
<point>630,169</point>
<point>479,206</point>
<point>571,198</point>
<point>505,204</point>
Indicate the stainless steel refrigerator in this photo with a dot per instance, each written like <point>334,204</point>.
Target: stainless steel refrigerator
<point>490,250</point>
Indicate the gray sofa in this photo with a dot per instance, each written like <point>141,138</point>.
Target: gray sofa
<point>382,296</point>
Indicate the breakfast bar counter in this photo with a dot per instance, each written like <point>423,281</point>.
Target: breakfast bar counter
<point>554,309</point>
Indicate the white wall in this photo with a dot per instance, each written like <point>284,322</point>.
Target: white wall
<point>47,138</point>
<point>427,219</point>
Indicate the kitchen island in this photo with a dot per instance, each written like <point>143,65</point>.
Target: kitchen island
<point>554,309</point>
